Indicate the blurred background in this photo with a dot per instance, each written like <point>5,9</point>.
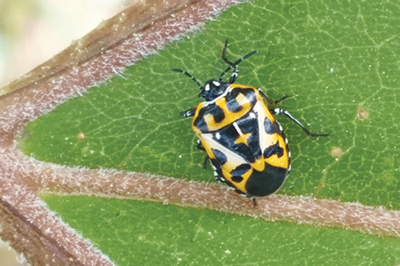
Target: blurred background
<point>32,31</point>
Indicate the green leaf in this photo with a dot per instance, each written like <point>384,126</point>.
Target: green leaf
<point>338,62</point>
<point>145,233</point>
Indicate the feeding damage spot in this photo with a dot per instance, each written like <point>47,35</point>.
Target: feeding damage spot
<point>80,137</point>
<point>336,152</point>
<point>362,114</point>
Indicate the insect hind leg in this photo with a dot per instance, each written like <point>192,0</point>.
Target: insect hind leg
<point>279,111</point>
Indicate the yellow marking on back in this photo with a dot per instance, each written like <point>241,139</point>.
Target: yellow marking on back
<point>242,100</point>
<point>208,118</point>
<point>230,117</point>
<point>283,161</point>
<point>243,138</point>
<point>241,186</point>
<point>259,164</point>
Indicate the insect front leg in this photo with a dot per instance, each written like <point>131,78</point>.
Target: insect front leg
<point>189,112</point>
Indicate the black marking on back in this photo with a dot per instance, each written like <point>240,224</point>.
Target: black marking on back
<point>233,105</point>
<point>231,102</point>
<point>220,156</point>
<point>218,114</point>
<point>266,182</point>
<point>239,171</point>
<point>214,110</point>
<point>271,128</point>
<point>249,124</point>
<point>229,135</point>
<point>199,121</point>
<point>273,149</point>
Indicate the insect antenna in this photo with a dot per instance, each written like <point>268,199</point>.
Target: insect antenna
<point>223,56</point>
<point>189,75</point>
<point>232,65</point>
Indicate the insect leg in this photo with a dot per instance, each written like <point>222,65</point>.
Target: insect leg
<point>254,202</point>
<point>205,162</point>
<point>200,147</point>
<point>269,100</point>
<point>279,111</point>
<point>189,112</point>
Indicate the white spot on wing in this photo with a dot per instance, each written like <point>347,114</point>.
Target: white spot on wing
<point>207,87</point>
<point>216,83</point>
<point>235,125</point>
<point>261,115</point>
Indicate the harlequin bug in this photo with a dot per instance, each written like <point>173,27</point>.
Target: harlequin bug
<point>245,144</point>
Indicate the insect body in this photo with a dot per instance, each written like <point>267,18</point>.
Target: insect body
<point>245,144</point>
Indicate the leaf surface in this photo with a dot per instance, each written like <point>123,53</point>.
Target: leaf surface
<point>336,60</point>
